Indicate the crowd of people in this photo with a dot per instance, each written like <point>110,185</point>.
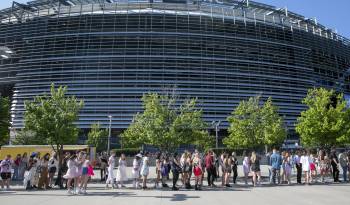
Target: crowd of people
<point>188,168</point>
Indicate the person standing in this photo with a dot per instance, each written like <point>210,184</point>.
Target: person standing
<point>227,168</point>
<point>158,168</point>
<point>103,166</point>
<point>145,170</point>
<point>287,165</point>
<point>234,161</point>
<point>175,169</point>
<point>44,180</point>
<point>23,165</point>
<point>246,167</point>
<point>335,166</point>
<point>305,160</point>
<point>5,171</point>
<point>268,158</point>
<point>53,165</point>
<point>343,161</point>
<point>197,170</point>
<point>121,173</point>
<point>275,162</point>
<point>111,165</point>
<point>71,174</point>
<point>313,169</point>
<point>255,167</point>
<point>164,170</point>
<point>322,164</point>
<point>15,167</point>
<point>136,169</point>
<point>210,167</point>
<point>298,166</point>
<point>186,170</point>
<point>87,172</point>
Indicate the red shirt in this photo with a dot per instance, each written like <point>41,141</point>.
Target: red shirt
<point>209,161</point>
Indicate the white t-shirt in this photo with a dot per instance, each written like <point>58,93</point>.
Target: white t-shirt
<point>305,161</point>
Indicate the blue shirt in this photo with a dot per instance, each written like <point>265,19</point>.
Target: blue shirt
<point>276,161</point>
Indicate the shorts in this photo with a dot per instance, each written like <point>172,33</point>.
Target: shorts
<point>6,175</point>
<point>52,170</point>
<point>85,171</point>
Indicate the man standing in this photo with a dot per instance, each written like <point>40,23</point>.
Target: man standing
<point>335,166</point>
<point>275,163</point>
<point>298,166</point>
<point>343,161</point>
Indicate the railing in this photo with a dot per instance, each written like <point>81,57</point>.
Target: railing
<point>248,14</point>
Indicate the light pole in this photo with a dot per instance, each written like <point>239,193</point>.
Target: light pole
<point>109,134</point>
<point>216,124</point>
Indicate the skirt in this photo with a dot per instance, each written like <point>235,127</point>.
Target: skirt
<point>121,174</point>
<point>71,173</point>
<point>145,171</point>
<point>135,173</point>
<point>197,171</point>
<point>312,167</point>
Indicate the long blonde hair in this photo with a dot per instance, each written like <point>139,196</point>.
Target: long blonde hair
<point>253,157</point>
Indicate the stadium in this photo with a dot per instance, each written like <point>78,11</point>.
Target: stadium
<point>110,52</point>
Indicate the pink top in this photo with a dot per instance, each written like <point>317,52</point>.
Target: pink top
<point>90,170</point>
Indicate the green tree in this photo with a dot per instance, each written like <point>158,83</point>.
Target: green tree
<point>52,118</point>
<point>167,126</point>
<point>326,122</point>
<point>27,137</point>
<point>97,137</point>
<point>254,124</point>
<point>4,120</point>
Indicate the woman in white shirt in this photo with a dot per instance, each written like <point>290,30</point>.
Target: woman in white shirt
<point>305,161</point>
<point>111,176</point>
<point>145,170</point>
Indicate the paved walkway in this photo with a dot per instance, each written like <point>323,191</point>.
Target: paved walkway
<point>318,194</point>
<point>287,195</point>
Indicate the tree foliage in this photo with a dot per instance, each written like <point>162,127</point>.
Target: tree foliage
<point>326,122</point>
<point>97,137</point>
<point>4,120</point>
<point>52,119</point>
<point>254,124</point>
<point>27,137</point>
<point>167,126</point>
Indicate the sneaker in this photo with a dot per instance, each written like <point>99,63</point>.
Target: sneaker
<point>70,192</point>
<point>175,188</point>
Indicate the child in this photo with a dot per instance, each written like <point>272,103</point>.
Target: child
<point>121,173</point>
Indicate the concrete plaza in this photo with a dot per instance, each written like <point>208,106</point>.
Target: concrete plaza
<point>269,195</point>
<point>318,193</point>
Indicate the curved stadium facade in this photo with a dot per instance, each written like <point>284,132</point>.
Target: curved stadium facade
<point>111,52</point>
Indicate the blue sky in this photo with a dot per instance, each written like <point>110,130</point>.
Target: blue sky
<point>333,14</point>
